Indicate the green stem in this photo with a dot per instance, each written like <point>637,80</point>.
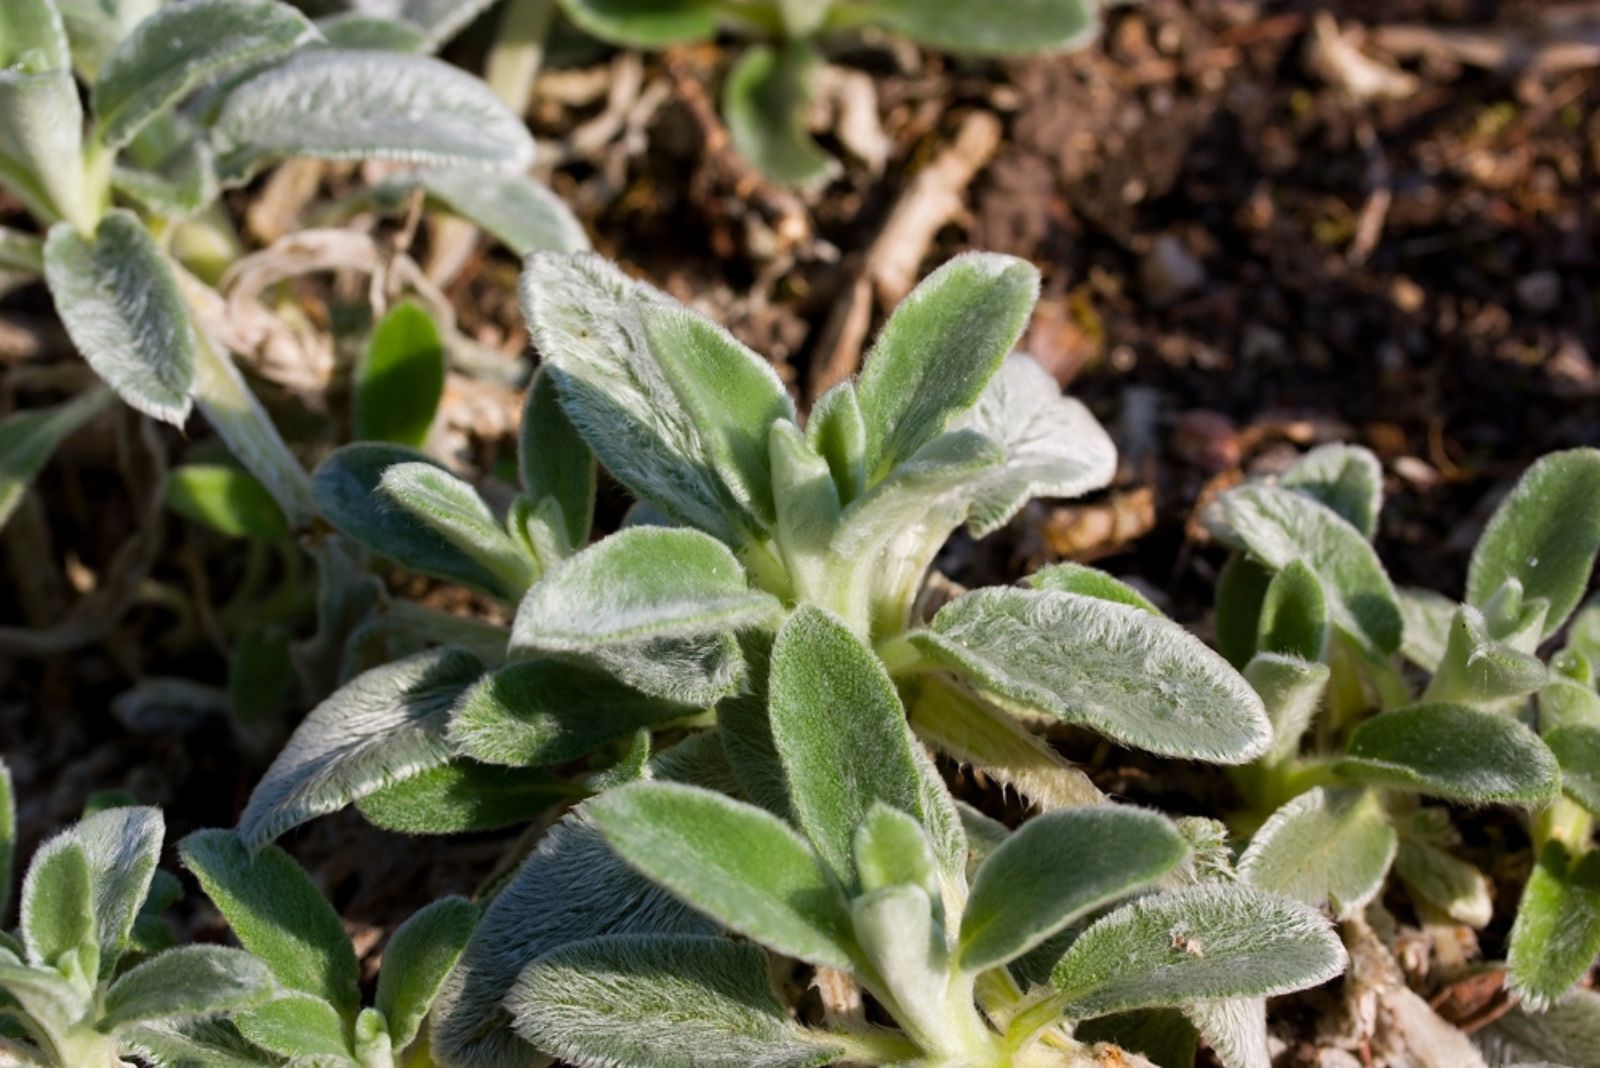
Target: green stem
<point>20,251</point>
<point>875,1047</point>
<point>237,416</point>
<point>518,51</point>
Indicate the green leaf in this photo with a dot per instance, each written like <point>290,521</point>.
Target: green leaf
<point>204,1043</point>
<point>574,887</point>
<point>1324,847</point>
<point>277,913</point>
<point>1294,615</point>
<point>1055,868</point>
<point>121,307</point>
<point>892,849</point>
<point>1235,1029</point>
<point>1199,944</point>
<point>95,27</point>
<point>348,105</point>
<point>58,902</point>
<point>1454,752</point>
<point>29,438</point>
<point>1346,478</point>
<point>553,461</point>
<point>1090,582</point>
<point>1567,703</point>
<point>184,983</point>
<point>1577,750</point>
<point>346,485</point>
<point>1291,690</point>
<point>764,101</point>
<point>43,995</point>
<point>463,796</point>
<point>946,715</point>
<point>1565,1033</point>
<point>1141,680</point>
<point>732,861</point>
<point>640,584</point>
<point>732,395</point>
<point>178,49</point>
<point>1427,618</point>
<point>382,727</point>
<point>645,23</point>
<point>519,211</point>
<point>355,30</point>
<point>906,516</point>
<point>939,350</point>
<point>837,431</point>
<point>840,733</point>
<point>1451,885</point>
<point>973,27</point>
<point>1557,932</point>
<point>440,20</point>
<point>1280,526</point>
<point>1544,534</point>
<point>121,847</point>
<point>589,323</point>
<point>227,499</point>
<point>1053,446</point>
<point>1478,670</point>
<point>400,378</point>
<point>297,1025</point>
<point>41,118</point>
<point>545,711</point>
<point>655,1002</point>
<point>1241,590</point>
<point>452,509</point>
<point>416,961</point>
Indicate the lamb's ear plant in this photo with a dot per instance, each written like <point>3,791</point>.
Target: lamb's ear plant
<point>185,100</point>
<point>1307,609</point>
<point>83,984</point>
<point>868,877</point>
<point>317,1016</point>
<point>751,517</point>
<point>770,86</point>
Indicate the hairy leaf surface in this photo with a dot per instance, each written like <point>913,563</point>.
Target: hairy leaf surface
<point>1202,943</point>
<point>1556,936</point>
<point>187,982</point>
<point>277,913</point>
<point>180,48</point>
<point>1454,752</point>
<point>733,861</point>
<point>383,727</point>
<point>417,960</point>
<point>1139,679</point>
<point>1325,846</point>
<point>1054,869</point>
<point>1346,478</point>
<point>639,584</point>
<point>120,305</point>
<point>840,732</point>
<point>939,350</point>
<point>661,1002</point>
<point>1280,526</point>
<point>1544,534</point>
<point>347,105</point>
<point>1053,446</point>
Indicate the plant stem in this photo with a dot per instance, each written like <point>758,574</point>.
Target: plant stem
<point>20,251</point>
<point>518,51</point>
<point>221,393</point>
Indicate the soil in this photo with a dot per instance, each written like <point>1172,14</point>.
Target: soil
<point>1245,251</point>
